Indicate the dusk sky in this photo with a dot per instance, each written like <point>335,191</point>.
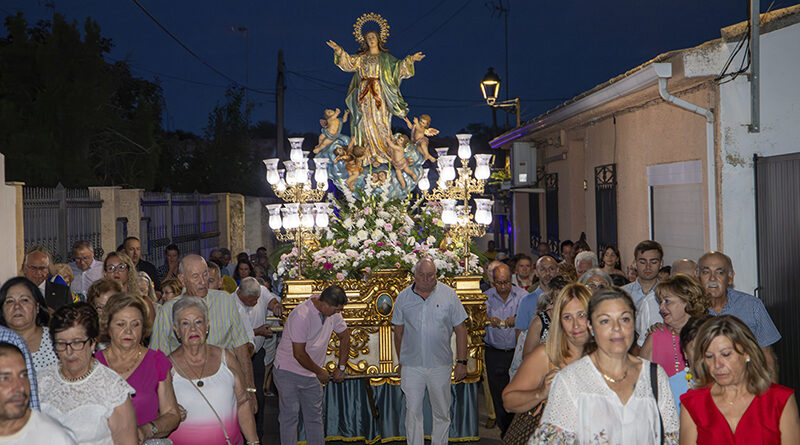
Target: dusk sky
<point>558,49</point>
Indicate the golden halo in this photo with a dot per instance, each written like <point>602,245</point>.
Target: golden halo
<point>370,17</point>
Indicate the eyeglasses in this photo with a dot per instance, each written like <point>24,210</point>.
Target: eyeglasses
<point>76,345</point>
<point>502,283</point>
<point>83,259</point>
<point>113,267</point>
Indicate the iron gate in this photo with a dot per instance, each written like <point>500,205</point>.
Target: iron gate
<point>191,221</point>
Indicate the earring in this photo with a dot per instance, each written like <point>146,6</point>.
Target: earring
<point>748,360</point>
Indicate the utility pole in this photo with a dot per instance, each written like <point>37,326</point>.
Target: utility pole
<point>241,29</point>
<point>280,87</point>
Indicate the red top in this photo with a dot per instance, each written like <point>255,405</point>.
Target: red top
<point>759,423</point>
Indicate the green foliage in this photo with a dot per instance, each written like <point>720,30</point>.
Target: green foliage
<point>67,115</point>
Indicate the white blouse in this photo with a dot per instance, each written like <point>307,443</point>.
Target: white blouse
<point>84,407</point>
<point>582,409</point>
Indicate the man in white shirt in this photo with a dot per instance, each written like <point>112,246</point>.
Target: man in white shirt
<point>256,303</point>
<point>648,256</point>
<point>524,276</point>
<point>85,269</point>
<point>19,424</point>
<point>425,316</point>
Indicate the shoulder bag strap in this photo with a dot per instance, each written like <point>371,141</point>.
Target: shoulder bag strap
<point>654,386</point>
<point>224,431</point>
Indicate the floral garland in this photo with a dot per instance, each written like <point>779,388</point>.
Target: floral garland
<point>374,233</point>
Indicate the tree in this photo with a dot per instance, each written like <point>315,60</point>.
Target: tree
<point>67,115</point>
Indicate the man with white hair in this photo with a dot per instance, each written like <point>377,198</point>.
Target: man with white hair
<point>425,316</point>
<point>85,269</point>
<point>256,303</point>
<point>584,261</point>
<point>716,276</point>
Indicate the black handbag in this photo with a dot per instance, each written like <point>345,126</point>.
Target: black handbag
<point>523,425</point>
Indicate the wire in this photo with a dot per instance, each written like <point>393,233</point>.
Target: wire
<point>440,26</point>
<point>199,59</point>
<point>423,16</point>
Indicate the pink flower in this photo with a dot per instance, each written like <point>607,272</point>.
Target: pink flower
<point>367,269</point>
<point>388,227</point>
<point>328,266</point>
<point>397,265</point>
<point>339,276</point>
<point>380,243</point>
<point>367,210</point>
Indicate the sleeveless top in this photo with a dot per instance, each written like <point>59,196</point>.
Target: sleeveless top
<point>759,423</point>
<point>545,326</point>
<point>667,351</point>
<point>201,426</point>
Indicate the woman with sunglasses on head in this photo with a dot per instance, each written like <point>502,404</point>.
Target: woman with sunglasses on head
<point>88,398</point>
<point>119,267</point>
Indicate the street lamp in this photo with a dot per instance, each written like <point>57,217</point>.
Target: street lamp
<point>490,87</point>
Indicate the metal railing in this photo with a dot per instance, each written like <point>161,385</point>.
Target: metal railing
<point>191,221</point>
<point>58,217</point>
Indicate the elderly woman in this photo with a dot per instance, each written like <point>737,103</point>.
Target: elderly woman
<point>531,385</point>
<point>146,370</point>
<point>610,395</point>
<point>595,279</point>
<point>25,312</point>
<point>679,298</point>
<point>208,383</point>
<point>735,401</point>
<point>86,397</point>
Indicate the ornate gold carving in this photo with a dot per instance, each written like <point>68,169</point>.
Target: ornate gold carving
<point>372,350</point>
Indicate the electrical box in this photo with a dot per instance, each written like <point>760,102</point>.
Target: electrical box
<point>523,164</point>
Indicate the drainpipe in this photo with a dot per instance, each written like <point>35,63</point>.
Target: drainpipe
<point>664,72</point>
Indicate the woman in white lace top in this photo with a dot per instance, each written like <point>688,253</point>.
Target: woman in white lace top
<point>606,397</point>
<point>91,400</point>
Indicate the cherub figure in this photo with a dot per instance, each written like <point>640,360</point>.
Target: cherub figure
<point>420,132</point>
<point>397,151</point>
<point>331,128</point>
<point>380,177</point>
<point>353,162</point>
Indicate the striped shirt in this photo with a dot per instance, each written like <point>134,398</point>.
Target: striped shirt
<point>12,338</point>
<point>226,328</point>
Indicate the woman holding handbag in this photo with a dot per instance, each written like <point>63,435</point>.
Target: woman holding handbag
<point>208,384</point>
<point>528,390</point>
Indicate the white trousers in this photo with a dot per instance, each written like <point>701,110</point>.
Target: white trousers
<point>414,381</point>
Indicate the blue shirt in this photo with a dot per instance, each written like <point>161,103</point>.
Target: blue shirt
<point>752,312</point>
<point>502,338</point>
<point>527,309</point>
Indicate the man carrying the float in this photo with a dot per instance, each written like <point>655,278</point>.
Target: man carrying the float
<point>425,316</point>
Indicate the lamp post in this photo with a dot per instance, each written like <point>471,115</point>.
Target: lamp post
<point>301,211</point>
<point>490,87</point>
<point>454,193</point>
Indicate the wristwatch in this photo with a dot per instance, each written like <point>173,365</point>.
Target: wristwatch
<point>153,429</point>
<point>461,362</point>
<point>342,368</point>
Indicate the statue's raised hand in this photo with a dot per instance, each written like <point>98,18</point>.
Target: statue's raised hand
<point>417,57</point>
<point>336,48</point>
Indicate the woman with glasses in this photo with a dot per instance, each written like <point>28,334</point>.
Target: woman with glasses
<point>25,312</point>
<point>119,267</point>
<point>88,398</point>
<point>595,279</point>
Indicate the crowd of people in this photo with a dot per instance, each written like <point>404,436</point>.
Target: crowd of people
<point>588,354</point>
<point>121,352</point>
<point>101,352</point>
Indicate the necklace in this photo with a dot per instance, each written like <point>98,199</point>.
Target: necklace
<point>675,351</point>
<point>76,379</point>
<point>609,379</point>
<point>133,365</point>
<point>202,371</point>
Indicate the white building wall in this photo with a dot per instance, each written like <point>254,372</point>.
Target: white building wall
<point>780,134</point>
<point>8,226</point>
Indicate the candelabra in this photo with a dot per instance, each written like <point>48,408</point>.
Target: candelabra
<point>296,218</point>
<point>454,193</point>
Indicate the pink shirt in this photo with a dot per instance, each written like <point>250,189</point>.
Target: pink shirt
<point>665,348</point>
<point>305,325</point>
<point>152,370</point>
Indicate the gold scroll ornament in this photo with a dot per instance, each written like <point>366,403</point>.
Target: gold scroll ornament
<point>368,314</point>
